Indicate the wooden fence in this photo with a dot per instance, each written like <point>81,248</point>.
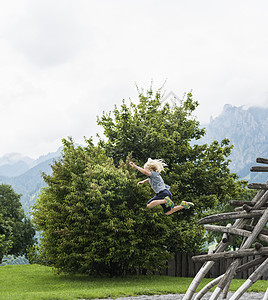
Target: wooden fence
<point>183,266</point>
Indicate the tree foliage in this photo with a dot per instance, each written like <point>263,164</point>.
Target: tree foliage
<point>94,217</point>
<point>16,230</point>
<point>196,173</point>
<point>5,237</point>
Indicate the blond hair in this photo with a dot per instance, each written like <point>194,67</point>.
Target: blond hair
<point>156,165</point>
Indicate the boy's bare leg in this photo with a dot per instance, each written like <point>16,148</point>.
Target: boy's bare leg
<point>156,202</point>
<point>184,204</point>
<point>174,209</point>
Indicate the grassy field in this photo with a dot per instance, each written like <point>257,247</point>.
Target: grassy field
<point>39,282</point>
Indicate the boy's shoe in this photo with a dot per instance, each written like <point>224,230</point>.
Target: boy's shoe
<point>169,202</point>
<point>187,205</point>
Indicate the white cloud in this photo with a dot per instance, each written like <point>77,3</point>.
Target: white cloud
<point>63,62</point>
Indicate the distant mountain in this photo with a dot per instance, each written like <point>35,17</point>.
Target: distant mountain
<point>14,164</point>
<point>30,182</point>
<point>247,129</point>
<point>12,158</point>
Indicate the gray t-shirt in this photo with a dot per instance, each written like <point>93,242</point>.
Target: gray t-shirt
<point>157,182</point>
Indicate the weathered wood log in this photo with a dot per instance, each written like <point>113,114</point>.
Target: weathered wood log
<point>247,208</point>
<point>239,223</point>
<point>258,186</point>
<point>241,203</point>
<point>226,289</point>
<point>253,263</point>
<point>265,297</point>
<point>259,195</point>
<point>258,201</point>
<point>209,286</point>
<point>225,236</point>
<point>252,279</point>
<point>241,268</point>
<point>259,169</point>
<point>230,254</point>
<point>262,160</point>
<point>228,276</point>
<point>262,201</point>
<point>242,209</point>
<point>257,229</point>
<point>230,272</point>
<point>250,228</point>
<point>235,231</point>
<point>230,215</point>
<point>258,246</point>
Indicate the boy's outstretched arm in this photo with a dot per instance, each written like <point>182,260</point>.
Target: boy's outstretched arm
<point>145,172</point>
<point>143,181</point>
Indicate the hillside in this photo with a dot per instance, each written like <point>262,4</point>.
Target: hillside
<point>30,183</point>
<point>248,132</point>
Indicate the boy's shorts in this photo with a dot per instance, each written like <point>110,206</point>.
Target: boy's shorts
<point>162,195</point>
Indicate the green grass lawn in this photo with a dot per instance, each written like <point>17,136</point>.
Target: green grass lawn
<point>39,282</point>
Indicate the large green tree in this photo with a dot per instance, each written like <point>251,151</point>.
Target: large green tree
<point>15,220</point>
<point>92,213</point>
<point>196,173</point>
<point>93,218</point>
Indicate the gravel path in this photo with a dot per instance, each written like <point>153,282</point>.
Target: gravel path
<point>246,296</point>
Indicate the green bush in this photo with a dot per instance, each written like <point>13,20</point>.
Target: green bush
<point>94,218</point>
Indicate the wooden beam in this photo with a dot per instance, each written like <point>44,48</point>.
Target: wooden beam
<point>258,186</point>
<point>230,215</point>
<point>262,160</point>
<point>240,203</point>
<point>235,231</point>
<point>230,254</point>
<point>253,263</point>
<point>250,228</point>
<point>246,207</point>
<point>259,169</point>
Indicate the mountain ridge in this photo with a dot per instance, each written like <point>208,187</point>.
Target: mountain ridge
<point>247,131</point>
<point>30,183</point>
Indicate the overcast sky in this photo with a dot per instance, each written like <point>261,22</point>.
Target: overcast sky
<point>63,62</point>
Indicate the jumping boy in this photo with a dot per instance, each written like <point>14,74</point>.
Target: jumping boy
<point>163,196</point>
